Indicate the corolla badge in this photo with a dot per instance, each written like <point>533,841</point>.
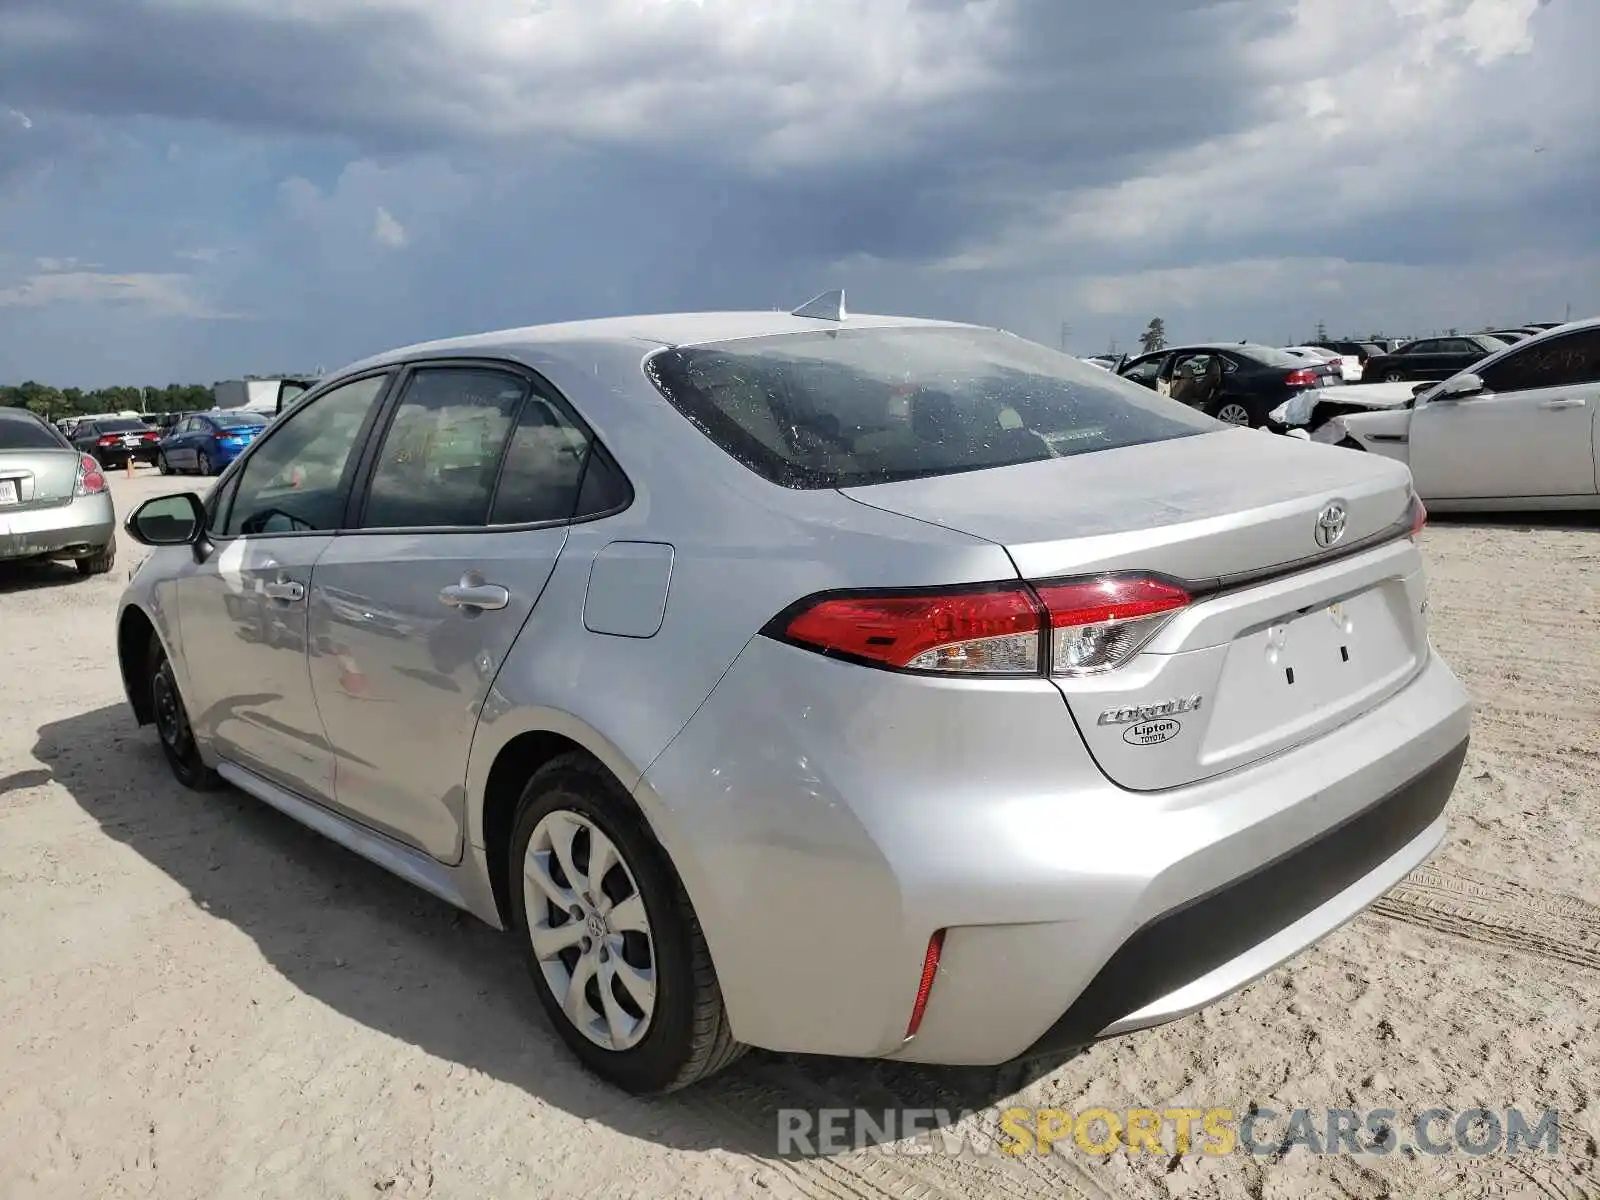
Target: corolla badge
<point>1330,524</point>
<point>1135,713</point>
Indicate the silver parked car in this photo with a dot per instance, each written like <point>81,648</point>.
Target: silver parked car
<point>827,683</point>
<point>54,500</point>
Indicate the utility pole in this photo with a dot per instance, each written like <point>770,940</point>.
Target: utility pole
<point>1066,332</point>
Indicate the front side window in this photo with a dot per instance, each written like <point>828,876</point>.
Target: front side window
<point>441,454</point>
<point>849,408</point>
<point>1145,372</point>
<point>293,481</point>
<point>1567,361</point>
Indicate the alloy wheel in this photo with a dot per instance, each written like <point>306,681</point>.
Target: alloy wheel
<point>589,930</point>
<point>1234,413</point>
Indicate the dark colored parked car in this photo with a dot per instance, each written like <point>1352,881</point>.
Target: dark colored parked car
<point>114,440</point>
<point>1236,382</point>
<point>206,442</point>
<point>1431,358</point>
<point>1362,350</point>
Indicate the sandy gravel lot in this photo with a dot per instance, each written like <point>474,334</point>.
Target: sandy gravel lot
<point>200,999</point>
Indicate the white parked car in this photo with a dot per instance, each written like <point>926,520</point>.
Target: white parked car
<point>1349,364</point>
<point>1517,431</point>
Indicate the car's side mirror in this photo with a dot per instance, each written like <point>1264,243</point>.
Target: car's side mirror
<point>1459,387</point>
<point>168,521</point>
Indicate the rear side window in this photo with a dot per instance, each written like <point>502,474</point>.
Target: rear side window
<point>847,408</point>
<point>25,433</point>
<point>543,469</point>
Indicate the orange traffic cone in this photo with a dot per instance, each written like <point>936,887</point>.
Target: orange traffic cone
<point>130,466</point>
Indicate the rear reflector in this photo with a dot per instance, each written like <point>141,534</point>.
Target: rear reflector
<point>930,968</point>
<point>1063,628</point>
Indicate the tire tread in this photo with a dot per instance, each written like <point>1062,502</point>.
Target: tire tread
<point>712,1047</point>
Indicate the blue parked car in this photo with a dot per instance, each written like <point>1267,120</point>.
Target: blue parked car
<point>206,442</point>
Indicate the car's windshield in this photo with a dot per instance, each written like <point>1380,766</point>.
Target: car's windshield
<point>846,408</point>
<point>24,433</point>
<point>1492,342</point>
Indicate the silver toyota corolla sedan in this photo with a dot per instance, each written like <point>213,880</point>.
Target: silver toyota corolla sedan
<point>827,683</point>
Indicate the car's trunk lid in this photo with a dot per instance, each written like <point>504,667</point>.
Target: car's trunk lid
<point>1287,637</point>
<point>37,478</point>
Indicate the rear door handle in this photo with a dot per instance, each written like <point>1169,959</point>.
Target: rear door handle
<point>1566,402</point>
<point>285,589</point>
<point>473,593</point>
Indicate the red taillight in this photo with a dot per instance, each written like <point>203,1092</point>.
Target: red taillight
<point>1100,624</point>
<point>1303,377</point>
<point>1064,628</point>
<point>990,631</point>
<point>1419,516</point>
<point>90,481</point>
<point>152,436</point>
<point>108,439</point>
<point>930,968</point>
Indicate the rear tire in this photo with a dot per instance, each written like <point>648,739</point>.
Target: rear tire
<point>98,563</point>
<point>1233,412</point>
<point>202,462</point>
<point>172,724</point>
<point>1394,377</point>
<point>684,1034</point>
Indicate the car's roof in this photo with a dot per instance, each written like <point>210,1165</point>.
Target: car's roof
<point>659,330</point>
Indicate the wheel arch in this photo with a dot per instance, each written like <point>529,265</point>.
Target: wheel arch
<point>498,772</point>
<point>135,630</point>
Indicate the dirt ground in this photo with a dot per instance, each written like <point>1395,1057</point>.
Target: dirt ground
<point>198,998</point>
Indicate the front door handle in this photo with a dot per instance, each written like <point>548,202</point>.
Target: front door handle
<point>1565,402</point>
<point>284,589</point>
<point>472,593</point>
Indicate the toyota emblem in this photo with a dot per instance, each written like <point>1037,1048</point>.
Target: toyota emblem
<point>1330,524</point>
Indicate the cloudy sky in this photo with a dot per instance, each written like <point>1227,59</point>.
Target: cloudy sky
<point>195,189</point>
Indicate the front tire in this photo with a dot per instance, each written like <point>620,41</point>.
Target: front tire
<point>1394,377</point>
<point>172,724</point>
<point>609,936</point>
<point>162,465</point>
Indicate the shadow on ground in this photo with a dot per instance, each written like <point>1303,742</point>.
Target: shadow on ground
<point>1578,522</point>
<point>34,575</point>
<point>410,967</point>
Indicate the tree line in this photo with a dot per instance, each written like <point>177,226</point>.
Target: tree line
<point>52,403</point>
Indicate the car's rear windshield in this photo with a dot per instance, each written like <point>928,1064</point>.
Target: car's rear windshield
<point>24,433</point>
<point>237,420</point>
<point>118,425</point>
<point>852,407</point>
<point>1269,356</point>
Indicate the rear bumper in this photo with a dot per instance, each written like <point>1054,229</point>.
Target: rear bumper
<point>87,524</point>
<point>1201,951</point>
<point>828,819</point>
